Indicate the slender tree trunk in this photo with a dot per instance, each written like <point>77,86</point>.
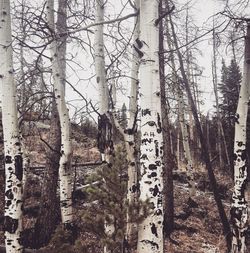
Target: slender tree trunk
<point>168,159</point>
<point>12,140</point>
<point>150,235</point>
<point>221,135</point>
<point>181,119</point>
<point>130,142</point>
<point>223,217</point>
<point>185,140</point>
<point>49,215</point>
<point>58,73</point>
<point>105,127</point>
<point>239,214</point>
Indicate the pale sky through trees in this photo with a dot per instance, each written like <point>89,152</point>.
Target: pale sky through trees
<point>81,73</point>
<point>201,12</point>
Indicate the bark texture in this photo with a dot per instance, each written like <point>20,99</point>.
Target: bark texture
<point>105,126</point>
<point>58,73</point>
<point>239,215</point>
<point>150,235</point>
<point>168,159</point>
<point>130,141</point>
<point>12,141</point>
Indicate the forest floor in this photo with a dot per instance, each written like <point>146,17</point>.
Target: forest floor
<point>197,224</point>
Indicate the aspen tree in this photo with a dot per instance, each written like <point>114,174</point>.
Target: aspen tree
<point>129,136</point>
<point>239,209</point>
<point>223,217</point>
<point>150,235</point>
<point>105,143</point>
<point>12,139</point>
<point>181,117</point>
<point>168,158</point>
<point>58,73</point>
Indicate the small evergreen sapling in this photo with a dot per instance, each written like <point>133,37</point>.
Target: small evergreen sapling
<point>109,205</point>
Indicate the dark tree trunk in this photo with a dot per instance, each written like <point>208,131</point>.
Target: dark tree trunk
<point>49,213</point>
<point>168,158</point>
<point>205,154</point>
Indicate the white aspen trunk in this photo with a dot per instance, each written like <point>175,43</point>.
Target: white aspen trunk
<point>238,212</point>
<point>100,59</point>
<point>58,74</point>
<point>150,235</point>
<point>186,146</point>
<point>104,123</point>
<point>100,72</point>
<point>12,142</point>
<point>132,193</point>
<point>26,165</point>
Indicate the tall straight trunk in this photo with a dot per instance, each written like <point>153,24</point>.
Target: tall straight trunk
<point>48,217</point>
<point>130,141</point>
<point>12,141</point>
<point>185,140</point>
<point>150,235</point>
<point>58,73</point>
<point>100,60</point>
<point>181,118</point>
<point>104,124</point>
<point>105,127</point>
<point>168,159</point>
<point>23,100</point>
<point>188,71</point>
<point>208,135</point>
<point>223,217</point>
<point>239,210</point>
<point>221,135</point>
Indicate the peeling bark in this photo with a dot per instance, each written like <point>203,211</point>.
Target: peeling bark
<point>12,138</point>
<point>150,235</point>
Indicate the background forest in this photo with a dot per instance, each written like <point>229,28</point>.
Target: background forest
<point>124,126</point>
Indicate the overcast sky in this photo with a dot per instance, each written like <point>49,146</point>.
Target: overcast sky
<point>201,12</point>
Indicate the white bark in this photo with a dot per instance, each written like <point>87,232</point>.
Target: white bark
<point>132,193</point>
<point>239,214</point>
<point>12,142</point>
<point>58,74</point>
<point>100,60</point>
<point>150,235</point>
<point>104,118</point>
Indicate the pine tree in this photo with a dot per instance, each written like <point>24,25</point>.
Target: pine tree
<point>229,88</point>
